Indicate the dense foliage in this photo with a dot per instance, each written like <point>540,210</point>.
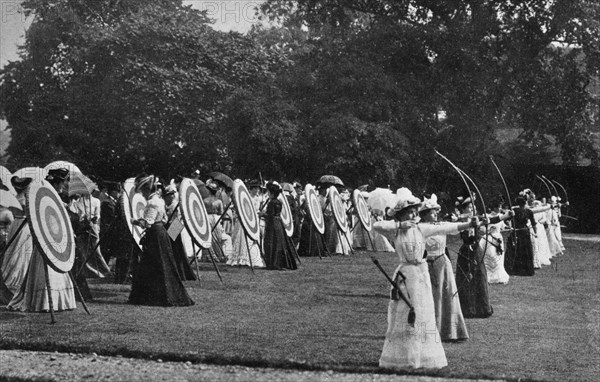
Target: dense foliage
<point>363,89</point>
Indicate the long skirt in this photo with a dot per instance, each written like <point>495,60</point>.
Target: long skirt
<point>331,235</point>
<point>553,241</point>
<point>541,249</point>
<point>181,260</point>
<point>16,259</point>
<point>417,346</point>
<point>311,241</point>
<point>32,295</point>
<point>241,243</point>
<point>156,281</point>
<point>471,280</point>
<point>519,257</point>
<point>221,248</point>
<point>494,258</point>
<point>278,247</point>
<point>344,242</point>
<point>448,314</point>
<point>95,264</point>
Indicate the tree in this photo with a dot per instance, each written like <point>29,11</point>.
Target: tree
<point>126,86</point>
<point>483,65</point>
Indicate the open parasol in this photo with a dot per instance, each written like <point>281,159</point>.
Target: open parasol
<point>330,180</point>
<point>5,176</point>
<point>81,184</point>
<point>220,177</point>
<point>62,164</point>
<point>36,173</point>
<point>381,198</point>
<point>8,200</point>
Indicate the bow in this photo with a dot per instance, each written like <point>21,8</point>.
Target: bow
<point>513,235</point>
<point>566,196</point>
<point>545,184</point>
<point>464,177</point>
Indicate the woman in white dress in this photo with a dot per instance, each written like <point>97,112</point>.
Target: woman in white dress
<point>448,314</point>
<point>241,243</point>
<point>414,345</point>
<point>13,268</point>
<point>32,294</point>
<point>494,247</point>
<point>553,229</point>
<point>539,240</point>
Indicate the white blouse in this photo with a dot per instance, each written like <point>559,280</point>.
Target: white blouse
<point>155,210</point>
<point>410,243</point>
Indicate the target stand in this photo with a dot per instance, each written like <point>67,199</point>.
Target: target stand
<point>242,202</point>
<point>339,214</point>
<point>318,221</point>
<point>196,221</point>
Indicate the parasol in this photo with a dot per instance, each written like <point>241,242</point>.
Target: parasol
<point>81,184</point>
<point>5,176</point>
<point>36,173</point>
<point>381,198</point>
<point>220,177</point>
<point>62,164</point>
<point>330,179</point>
<point>8,200</point>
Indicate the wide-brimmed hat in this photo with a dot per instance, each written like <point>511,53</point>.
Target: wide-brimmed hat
<point>274,187</point>
<point>144,180</point>
<point>405,199</point>
<point>19,183</point>
<point>58,174</point>
<point>462,201</point>
<point>170,190</point>
<point>212,185</point>
<point>429,204</point>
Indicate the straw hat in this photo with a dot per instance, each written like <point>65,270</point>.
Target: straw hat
<point>429,204</point>
<point>405,199</point>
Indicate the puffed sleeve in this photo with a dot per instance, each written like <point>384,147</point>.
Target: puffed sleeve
<point>387,228</point>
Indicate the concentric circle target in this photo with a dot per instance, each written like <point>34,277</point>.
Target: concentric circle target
<point>314,207</point>
<point>133,205</point>
<point>362,210</point>
<point>339,211</point>
<point>194,213</point>
<point>246,211</point>
<point>50,226</point>
<point>286,215</point>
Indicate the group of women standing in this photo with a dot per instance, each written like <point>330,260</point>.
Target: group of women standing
<point>431,288</point>
<point>531,244</point>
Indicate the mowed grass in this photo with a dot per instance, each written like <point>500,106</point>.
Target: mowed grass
<point>331,314</point>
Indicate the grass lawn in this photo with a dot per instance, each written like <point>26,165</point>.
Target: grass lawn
<point>331,314</point>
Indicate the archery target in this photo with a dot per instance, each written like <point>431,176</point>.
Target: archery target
<point>362,210</point>
<point>133,205</point>
<point>314,207</point>
<point>51,226</point>
<point>339,211</point>
<point>246,211</point>
<point>286,215</point>
<point>194,213</point>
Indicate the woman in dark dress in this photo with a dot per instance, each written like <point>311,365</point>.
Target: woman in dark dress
<point>278,249</point>
<point>156,281</point>
<point>184,269</point>
<point>519,251</point>
<point>471,275</point>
